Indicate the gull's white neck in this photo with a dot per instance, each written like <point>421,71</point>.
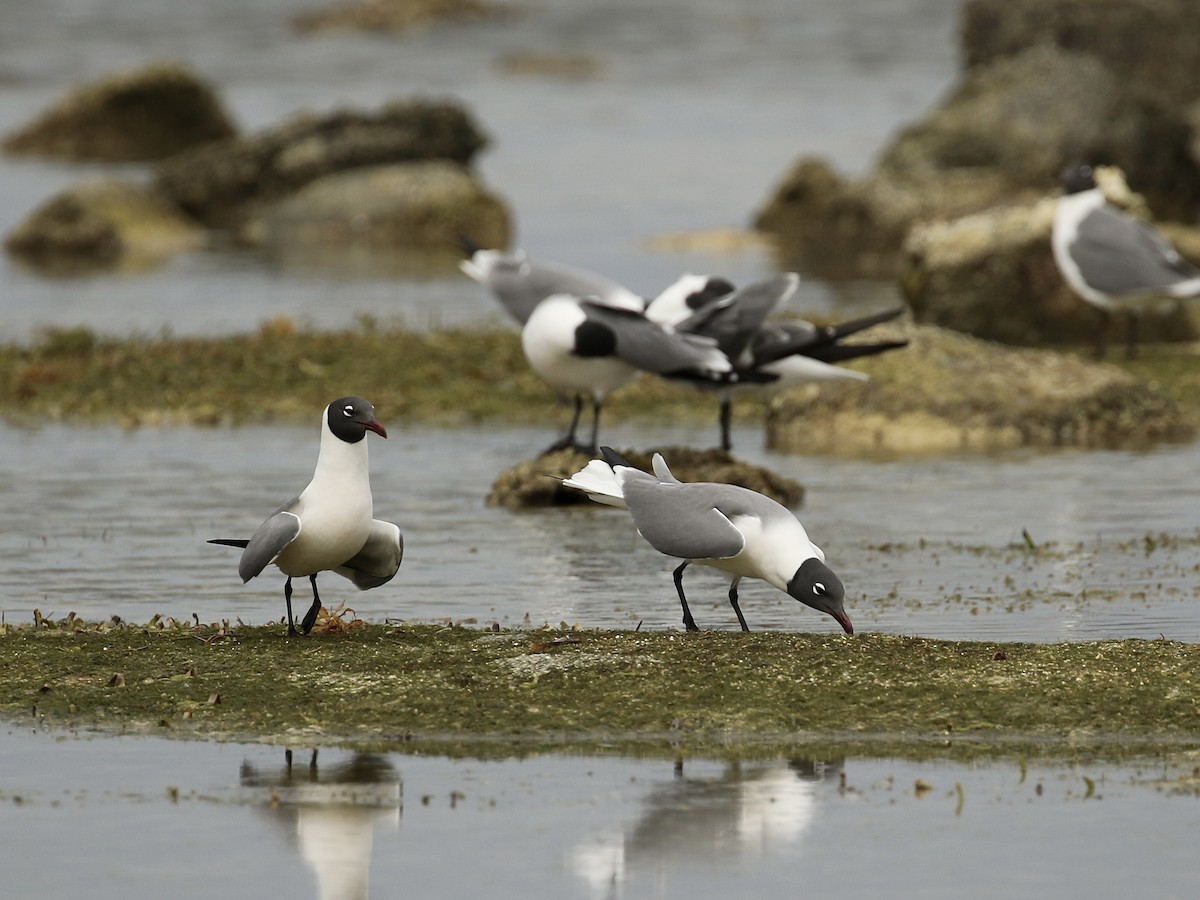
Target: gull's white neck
<point>343,470</point>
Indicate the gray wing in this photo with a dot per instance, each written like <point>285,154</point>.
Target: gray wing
<point>378,560</point>
<point>683,520</point>
<point>268,542</point>
<point>734,319</point>
<point>652,348</point>
<point>521,284</point>
<point>1118,254</point>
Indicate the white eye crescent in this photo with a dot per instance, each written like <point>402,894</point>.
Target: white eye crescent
<point>818,588</point>
<point>348,410</point>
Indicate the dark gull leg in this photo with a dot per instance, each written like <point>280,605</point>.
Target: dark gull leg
<point>310,617</point>
<point>596,405</point>
<point>726,416</point>
<point>569,439</point>
<point>287,598</point>
<point>688,622</point>
<point>733,601</point>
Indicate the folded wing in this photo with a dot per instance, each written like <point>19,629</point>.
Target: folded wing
<point>378,560</point>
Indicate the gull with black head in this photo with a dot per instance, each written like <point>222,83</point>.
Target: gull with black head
<point>586,335</point>
<point>725,526</point>
<point>582,347</point>
<point>1112,260</point>
<point>329,526</point>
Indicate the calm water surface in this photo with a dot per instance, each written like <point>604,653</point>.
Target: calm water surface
<point>207,820</point>
<point>101,521</point>
<point>699,107</point>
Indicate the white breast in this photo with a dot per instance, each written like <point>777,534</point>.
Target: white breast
<point>548,340</point>
<point>1070,211</point>
<point>335,509</point>
<point>774,550</point>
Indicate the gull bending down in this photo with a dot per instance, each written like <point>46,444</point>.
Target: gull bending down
<point>731,528</point>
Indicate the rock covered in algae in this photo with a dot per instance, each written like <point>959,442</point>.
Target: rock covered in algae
<point>949,392</point>
<point>1001,135</point>
<point>423,205</point>
<point>992,274</point>
<point>224,184</point>
<point>137,116</point>
<point>538,482</point>
<point>1149,44</point>
<point>100,223</point>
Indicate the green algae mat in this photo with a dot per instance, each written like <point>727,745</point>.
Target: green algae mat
<point>587,690</point>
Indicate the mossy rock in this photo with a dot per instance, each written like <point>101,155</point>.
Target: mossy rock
<point>226,184</point>
<point>993,275</point>
<point>411,206</point>
<point>1000,137</point>
<point>100,224</point>
<point>143,115</point>
<point>1149,43</point>
<point>949,392</point>
<point>538,482</point>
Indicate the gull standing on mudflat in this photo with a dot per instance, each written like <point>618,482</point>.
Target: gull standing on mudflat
<point>727,527</point>
<point>774,355</point>
<point>1113,261</point>
<point>329,527</point>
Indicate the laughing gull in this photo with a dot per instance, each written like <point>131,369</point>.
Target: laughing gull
<point>329,526</point>
<point>585,334</point>
<point>728,527</point>
<point>581,346</point>
<point>776,355</point>
<point>520,283</point>
<point>1112,260</point>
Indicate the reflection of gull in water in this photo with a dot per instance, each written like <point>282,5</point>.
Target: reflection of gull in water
<point>333,812</point>
<point>745,813</point>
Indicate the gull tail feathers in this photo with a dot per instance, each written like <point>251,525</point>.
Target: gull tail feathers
<point>231,542</point>
<point>599,482</point>
<point>662,471</point>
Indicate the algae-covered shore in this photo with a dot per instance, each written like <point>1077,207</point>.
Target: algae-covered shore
<point>445,377</point>
<point>436,686</point>
<point>282,372</point>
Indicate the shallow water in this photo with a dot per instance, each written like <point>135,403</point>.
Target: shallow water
<point>101,521</point>
<point>207,819</point>
<point>698,109</point>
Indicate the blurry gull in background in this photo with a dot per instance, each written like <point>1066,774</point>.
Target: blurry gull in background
<point>1112,260</point>
<point>582,347</point>
<point>521,283</point>
<point>775,355</point>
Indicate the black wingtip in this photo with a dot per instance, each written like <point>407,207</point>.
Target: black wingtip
<point>230,542</point>
<point>835,353</point>
<point>613,458</point>
<point>845,329</point>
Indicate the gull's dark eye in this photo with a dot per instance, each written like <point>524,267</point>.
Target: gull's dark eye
<point>819,589</point>
<point>348,410</point>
